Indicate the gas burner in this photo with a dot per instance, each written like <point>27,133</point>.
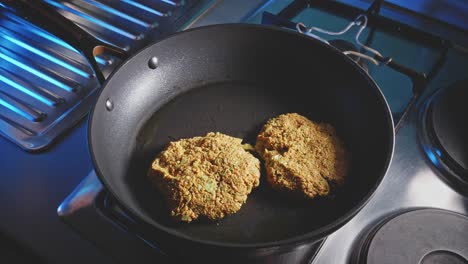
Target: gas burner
<point>423,236</point>
<point>443,132</point>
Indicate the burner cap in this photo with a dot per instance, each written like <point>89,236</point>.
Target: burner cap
<point>424,236</point>
<point>445,130</point>
<point>449,121</point>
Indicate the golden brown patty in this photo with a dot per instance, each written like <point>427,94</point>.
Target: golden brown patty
<point>208,176</point>
<point>302,156</point>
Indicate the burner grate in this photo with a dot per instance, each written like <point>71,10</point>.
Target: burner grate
<point>46,86</point>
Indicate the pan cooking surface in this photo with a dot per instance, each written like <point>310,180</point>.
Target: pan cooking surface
<point>237,109</point>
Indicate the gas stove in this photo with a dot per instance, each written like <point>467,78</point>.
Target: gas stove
<point>419,213</point>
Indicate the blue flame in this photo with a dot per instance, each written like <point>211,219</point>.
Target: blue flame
<point>432,157</point>
<point>430,154</point>
<point>438,152</point>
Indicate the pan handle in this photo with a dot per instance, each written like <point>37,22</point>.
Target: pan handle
<point>44,16</point>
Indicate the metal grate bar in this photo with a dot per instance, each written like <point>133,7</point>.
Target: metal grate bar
<point>114,11</point>
<point>21,63</point>
<point>76,12</point>
<point>173,3</point>
<point>146,8</point>
<point>41,95</point>
<point>48,42</point>
<point>26,46</point>
<point>20,108</point>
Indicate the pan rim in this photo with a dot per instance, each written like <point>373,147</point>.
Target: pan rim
<point>315,235</point>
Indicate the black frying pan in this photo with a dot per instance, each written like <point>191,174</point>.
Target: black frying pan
<point>231,79</point>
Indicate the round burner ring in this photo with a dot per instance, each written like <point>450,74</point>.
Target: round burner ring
<point>420,236</point>
<point>443,256</point>
<point>441,133</point>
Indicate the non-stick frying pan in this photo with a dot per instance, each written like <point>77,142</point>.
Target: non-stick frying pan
<point>231,79</point>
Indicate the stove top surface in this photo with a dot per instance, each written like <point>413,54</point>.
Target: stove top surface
<point>416,236</point>
<point>415,180</point>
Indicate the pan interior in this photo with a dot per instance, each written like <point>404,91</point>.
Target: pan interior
<point>234,88</point>
<point>238,109</point>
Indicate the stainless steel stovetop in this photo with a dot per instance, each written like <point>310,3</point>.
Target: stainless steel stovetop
<point>414,180</point>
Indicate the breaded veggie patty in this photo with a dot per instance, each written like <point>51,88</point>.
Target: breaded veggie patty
<point>208,176</point>
<point>302,156</point>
